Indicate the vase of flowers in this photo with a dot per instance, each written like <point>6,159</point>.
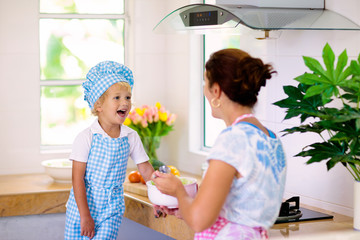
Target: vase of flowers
<point>327,101</point>
<point>151,123</point>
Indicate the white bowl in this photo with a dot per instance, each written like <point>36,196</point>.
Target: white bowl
<point>158,198</point>
<point>59,169</point>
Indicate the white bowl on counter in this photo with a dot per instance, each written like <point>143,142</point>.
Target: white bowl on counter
<point>158,198</point>
<point>59,169</point>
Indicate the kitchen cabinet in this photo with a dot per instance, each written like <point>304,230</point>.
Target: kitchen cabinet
<point>140,210</point>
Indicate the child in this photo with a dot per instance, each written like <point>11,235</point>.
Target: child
<point>100,153</point>
<point>242,189</point>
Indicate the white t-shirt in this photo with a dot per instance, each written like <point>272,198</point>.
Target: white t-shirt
<point>82,143</point>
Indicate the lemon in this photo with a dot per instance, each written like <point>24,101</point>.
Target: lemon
<point>174,170</point>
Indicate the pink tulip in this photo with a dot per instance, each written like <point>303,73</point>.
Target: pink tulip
<point>144,123</point>
<point>156,115</point>
<point>137,119</point>
<point>171,119</point>
<point>148,115</point>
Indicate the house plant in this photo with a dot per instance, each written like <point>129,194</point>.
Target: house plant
<point>327,102</point>
<point>151,123</point>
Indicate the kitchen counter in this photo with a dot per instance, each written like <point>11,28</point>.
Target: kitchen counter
<point>38,194</point>
<point>31,194</point>
<point>338,228</point>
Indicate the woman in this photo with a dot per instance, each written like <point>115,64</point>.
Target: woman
<point>242,189</point>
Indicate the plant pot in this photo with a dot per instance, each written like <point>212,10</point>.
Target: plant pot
<point>357,205</point>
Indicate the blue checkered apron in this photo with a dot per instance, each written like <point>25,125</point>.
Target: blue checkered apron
<point>104,177</point>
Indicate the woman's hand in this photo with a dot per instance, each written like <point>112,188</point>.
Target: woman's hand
<point>167,183</point>
<point>87,227</point>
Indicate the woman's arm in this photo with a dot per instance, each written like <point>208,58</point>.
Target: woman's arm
<point>202,211</point>
<point>86,221</point>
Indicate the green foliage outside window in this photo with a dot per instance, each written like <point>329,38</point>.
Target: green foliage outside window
<point>69,47</point>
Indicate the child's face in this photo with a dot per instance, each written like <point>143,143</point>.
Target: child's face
<point>116,105</point>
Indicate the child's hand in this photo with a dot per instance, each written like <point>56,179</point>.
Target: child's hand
<point>164,211</point>
<point>158,212</point>
<point>87,227</point>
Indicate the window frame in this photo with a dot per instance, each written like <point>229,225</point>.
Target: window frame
<point>77,82</point>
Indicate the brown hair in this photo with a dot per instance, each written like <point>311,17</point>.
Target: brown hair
<point>239,75</point>
<point>101,99</point>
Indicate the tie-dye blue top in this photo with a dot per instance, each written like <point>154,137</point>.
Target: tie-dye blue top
<point>255,198</point>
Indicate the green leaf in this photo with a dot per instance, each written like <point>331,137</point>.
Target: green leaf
<point>329,58</point>
<point>336,159</point>
<point>343,76</point>
<point>292,113</point>
<point>311,79</point>
<point>303,129</point>
<point>321,151</point>
<point>355,67</point>
<point>293,92</point>
<point>315,90</point>
<point>296,104</point>
<point>315,66</point>
<point>285,103</point>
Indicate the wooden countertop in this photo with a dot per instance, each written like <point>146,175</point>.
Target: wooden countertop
<point>338,228</point>
<point>39,194</point>
<point>31,194</point>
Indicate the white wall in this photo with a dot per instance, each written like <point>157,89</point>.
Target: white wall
<point>165,69</point>
<point>19,91</point>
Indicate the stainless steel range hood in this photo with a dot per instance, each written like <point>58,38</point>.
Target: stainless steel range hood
<point>257,16</point>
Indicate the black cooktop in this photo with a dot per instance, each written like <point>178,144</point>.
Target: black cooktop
<point>292,212</point>
<point>307,215</point>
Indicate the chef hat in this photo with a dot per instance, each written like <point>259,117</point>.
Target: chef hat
<point>103,76</point>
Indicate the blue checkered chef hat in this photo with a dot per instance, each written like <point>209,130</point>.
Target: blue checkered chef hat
<point>103,76</point>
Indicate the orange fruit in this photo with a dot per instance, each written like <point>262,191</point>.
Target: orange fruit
<point>142,180</point>
<point>174,170</point>
<point>134,177</point>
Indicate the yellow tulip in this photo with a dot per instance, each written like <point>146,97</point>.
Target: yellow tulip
<point>139,111</point>
<point>163,116</point>
<point>127,122</point>
<point>158,105</point>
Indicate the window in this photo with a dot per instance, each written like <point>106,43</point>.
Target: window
<point>74,36</point>
<point>213,43</point>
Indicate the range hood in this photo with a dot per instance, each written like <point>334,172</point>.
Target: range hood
<point>264,15</point>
